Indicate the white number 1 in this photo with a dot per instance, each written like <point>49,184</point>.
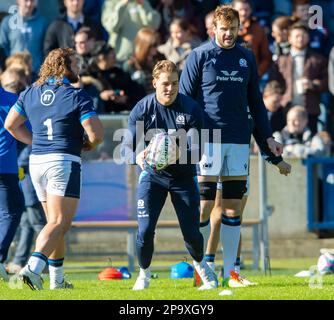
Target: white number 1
<point>48,124</point>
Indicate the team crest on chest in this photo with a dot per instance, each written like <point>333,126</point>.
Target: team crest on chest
<point>180,119</point>
<point>243,63</point>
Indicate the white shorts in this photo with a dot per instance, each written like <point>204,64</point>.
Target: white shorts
<point>224,159</point>
<point>56,174</point>
<point>220,186</point>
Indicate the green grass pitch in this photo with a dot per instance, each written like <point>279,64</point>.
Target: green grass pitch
<point>281,285</point>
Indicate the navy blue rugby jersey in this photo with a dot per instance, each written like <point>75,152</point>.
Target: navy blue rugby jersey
<point>225,82</point>
<point>8,152</point>
<point>55,113</point>
<point>184,113</point>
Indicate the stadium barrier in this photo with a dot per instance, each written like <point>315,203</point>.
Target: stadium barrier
<point>130,227</point>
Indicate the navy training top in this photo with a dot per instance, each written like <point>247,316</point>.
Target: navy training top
<point>55,113</point>
<point>183,113</point>
<point>225,82</point>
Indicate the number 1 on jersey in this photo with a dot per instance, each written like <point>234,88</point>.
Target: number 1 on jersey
<point>48,124</point>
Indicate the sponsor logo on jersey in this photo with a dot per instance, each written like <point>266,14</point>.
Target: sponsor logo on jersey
<point>141,204</point>
<point>229,76</point>
<point>47,98</point>
<point>180,119</point>
<point>243,63</point>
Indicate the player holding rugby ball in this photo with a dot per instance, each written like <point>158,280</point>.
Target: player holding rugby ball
<point>166,110</point>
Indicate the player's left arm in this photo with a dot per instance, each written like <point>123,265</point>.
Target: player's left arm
<point>258,110</point>
<point>15,125</point>
<point>270,157</point>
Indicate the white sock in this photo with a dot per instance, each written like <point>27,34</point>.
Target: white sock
<point>36,264</point>
<point>229,236</point>
<point>145,273</point>
<point>205,231</point>
<point>56,274</point>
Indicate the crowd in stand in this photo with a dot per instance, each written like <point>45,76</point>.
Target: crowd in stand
<point>119,42</point>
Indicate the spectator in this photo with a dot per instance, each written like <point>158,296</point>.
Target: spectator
<point>303,74</point>
<point>117,90</point>
<point>181,41</point>
<point>272,95</point>
<point>279,32</point>
<point>13,80</point>
<point>209,25</point>
<point>22,60</point>
<point>122,19</point>
<point>145,56</point>
<point>171,9</point>
<point>92,9</point>
<point>297,138</point>
<point>60,33</point>
<point>27,34</point>
<point>86,46</point>
<point>253,35</point>
<point>319,36</point>
<point>85,43</point>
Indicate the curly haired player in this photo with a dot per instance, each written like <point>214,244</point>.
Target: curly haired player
<point>59,115</point>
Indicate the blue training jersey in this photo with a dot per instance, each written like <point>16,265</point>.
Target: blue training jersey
<point>184,113</point>
<point>225,82</point>
<point>8,152</point>
<point>55,113</point>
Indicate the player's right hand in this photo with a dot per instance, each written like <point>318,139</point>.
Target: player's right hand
<point>86,146</point>
<point>284,168</point>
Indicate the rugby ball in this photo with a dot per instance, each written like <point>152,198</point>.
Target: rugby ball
<point>326,263</point>
<point>161,151</point>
